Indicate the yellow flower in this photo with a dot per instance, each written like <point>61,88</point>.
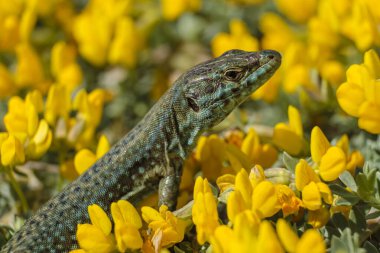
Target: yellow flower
<point>23,121</point>
<point>12,151</point>
<point>167,228</point>
<point>318,218</point>
<point>331,160</point>
<point>9,26</point>
<point>102,29</point>
<point>311,240</point>
<point>85,158</point>
<point>354,159</point>
<point>96,237</point>
<point>313,190</point>
<point>288,200</point>
<point>210,152</point>
<point>247,235</point>
<point>172,10</point>
<point>277,34</point>
<point>64,67</point>
<point>127,224</point>
<point>359,96</point>
<point>262,154</point>
<point>29,70</point>
<point>260,198</point>
<point>290,136</point>
<point>333,72</point>
<point>360,26</point>
<point>93,34</point>
<point>89,110</point>
<point>57,104</point>
<point>298,11</point>
<point>264,199</point>
<point>126,44</point>
<point>6,82</point>
<point>239,38</point>
<point>41,140</point>
<point>204,211</point>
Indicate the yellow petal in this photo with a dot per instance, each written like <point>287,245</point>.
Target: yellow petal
<point>256,175</point>
<point>312,241</point>
<point>223,240</point>
<point>250,142</point>
<point>127,237</point>
<point>103,146</point>
<point>295,121</point>
<point>304,175</point>
<point>36,150</point>
<point>32,119</point>
<point>150,214</point>
<point>325,192</point>
<point>318,144</point>
<point>311,196</point>
<point>267,155</point>
<point>223,182</point>
<point>372,61</point>
<point>243,185</point>
<point>99,219</point>
<point>344,144</point>
<point>333,163</point>
<point>34,98</point>
<point>264,199</point>
<point>41,133</point>
<point>350,94</point>
<point>369,117</point>
<point>267,239</point>
<point>124,212</point>
<point>287,235</point>
<point>237,158</point>
<point>83,160</point>
<point>318,218</point>
<point>235,205</point>
<point>12,151</point>
<point>287,139</point>
<point>92,239</point>
<point>355,160</point>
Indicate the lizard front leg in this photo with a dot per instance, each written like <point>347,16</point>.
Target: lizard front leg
<point>168,189</point>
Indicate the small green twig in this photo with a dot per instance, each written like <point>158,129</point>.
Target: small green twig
<point>17,189</point>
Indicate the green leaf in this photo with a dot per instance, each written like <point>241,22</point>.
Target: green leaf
<point>370,248</point>
<point>348,180</point>
<point>373,215</point>
<point>347,242</point>
<point>350,197</point>
<point>339,221</point>
<point>357,220</point>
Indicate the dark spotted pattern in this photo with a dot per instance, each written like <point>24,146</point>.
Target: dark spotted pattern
<point>151,155</point>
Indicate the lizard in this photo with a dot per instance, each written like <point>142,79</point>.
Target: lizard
<point>151,155</point>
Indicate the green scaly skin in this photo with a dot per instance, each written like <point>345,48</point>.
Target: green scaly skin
<point>152,153</point>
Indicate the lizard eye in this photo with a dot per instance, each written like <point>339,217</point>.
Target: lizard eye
<point>233,74</point>
<point>192,104</point>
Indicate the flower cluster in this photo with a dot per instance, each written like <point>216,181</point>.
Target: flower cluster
<point>164,229</point>
<point>295,168</point>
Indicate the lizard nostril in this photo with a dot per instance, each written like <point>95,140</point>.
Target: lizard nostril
<point>271,57</point>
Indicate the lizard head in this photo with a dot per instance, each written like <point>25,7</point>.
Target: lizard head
<point>214,88</point>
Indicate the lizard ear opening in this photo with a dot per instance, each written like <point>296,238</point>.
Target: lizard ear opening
<point>192,104</point>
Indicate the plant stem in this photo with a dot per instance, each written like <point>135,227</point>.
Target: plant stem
<point>17,189</point>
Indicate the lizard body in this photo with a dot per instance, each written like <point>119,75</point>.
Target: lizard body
<point>152,153</point>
